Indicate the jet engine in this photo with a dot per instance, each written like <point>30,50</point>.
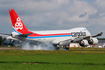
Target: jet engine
<point>93,41</point>
<point>83,43</point>
<point>14,34</point>
<point>89,42</point>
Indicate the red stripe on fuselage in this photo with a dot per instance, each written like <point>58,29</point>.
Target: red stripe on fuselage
<point>37,35</point>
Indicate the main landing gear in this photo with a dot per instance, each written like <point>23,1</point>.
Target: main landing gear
<point>57,47</point>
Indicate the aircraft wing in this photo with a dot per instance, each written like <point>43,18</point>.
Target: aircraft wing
<point>58,40</point>
<point>10,37</point>
<point>25,35</point>
<point>98,34</point>
<point>1,34</point>
<point>67,41</point>
<point>87,37</point>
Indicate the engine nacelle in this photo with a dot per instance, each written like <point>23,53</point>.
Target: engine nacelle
<point>93,41</point>
<point>83,43</point>
<point>14,34</point>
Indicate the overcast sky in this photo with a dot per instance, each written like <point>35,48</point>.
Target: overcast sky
<point>55,14</point>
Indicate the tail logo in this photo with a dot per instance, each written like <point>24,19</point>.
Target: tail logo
<point>18,24</point>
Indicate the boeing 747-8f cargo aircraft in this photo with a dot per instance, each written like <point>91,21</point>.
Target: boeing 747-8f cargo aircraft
<point>57,37</point>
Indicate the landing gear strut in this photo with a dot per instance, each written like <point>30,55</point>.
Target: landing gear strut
<point>65,48</point>
<point>56,47</point>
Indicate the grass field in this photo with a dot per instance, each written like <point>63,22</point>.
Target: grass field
<point>73,59</point>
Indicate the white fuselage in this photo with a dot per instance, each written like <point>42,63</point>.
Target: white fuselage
<point>75,33</point>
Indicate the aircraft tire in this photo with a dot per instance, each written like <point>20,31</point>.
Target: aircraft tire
<point>55,47</point>
<point>65,48</point>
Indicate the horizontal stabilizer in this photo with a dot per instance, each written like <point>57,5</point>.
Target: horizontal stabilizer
<point>10,37</point>
<point>1,34</point>
<point>25,35</point>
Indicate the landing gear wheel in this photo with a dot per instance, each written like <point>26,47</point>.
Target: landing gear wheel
<point>55,47</point>
<point>65,48</point>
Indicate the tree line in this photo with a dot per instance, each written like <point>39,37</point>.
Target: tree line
<point>2,40</point>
